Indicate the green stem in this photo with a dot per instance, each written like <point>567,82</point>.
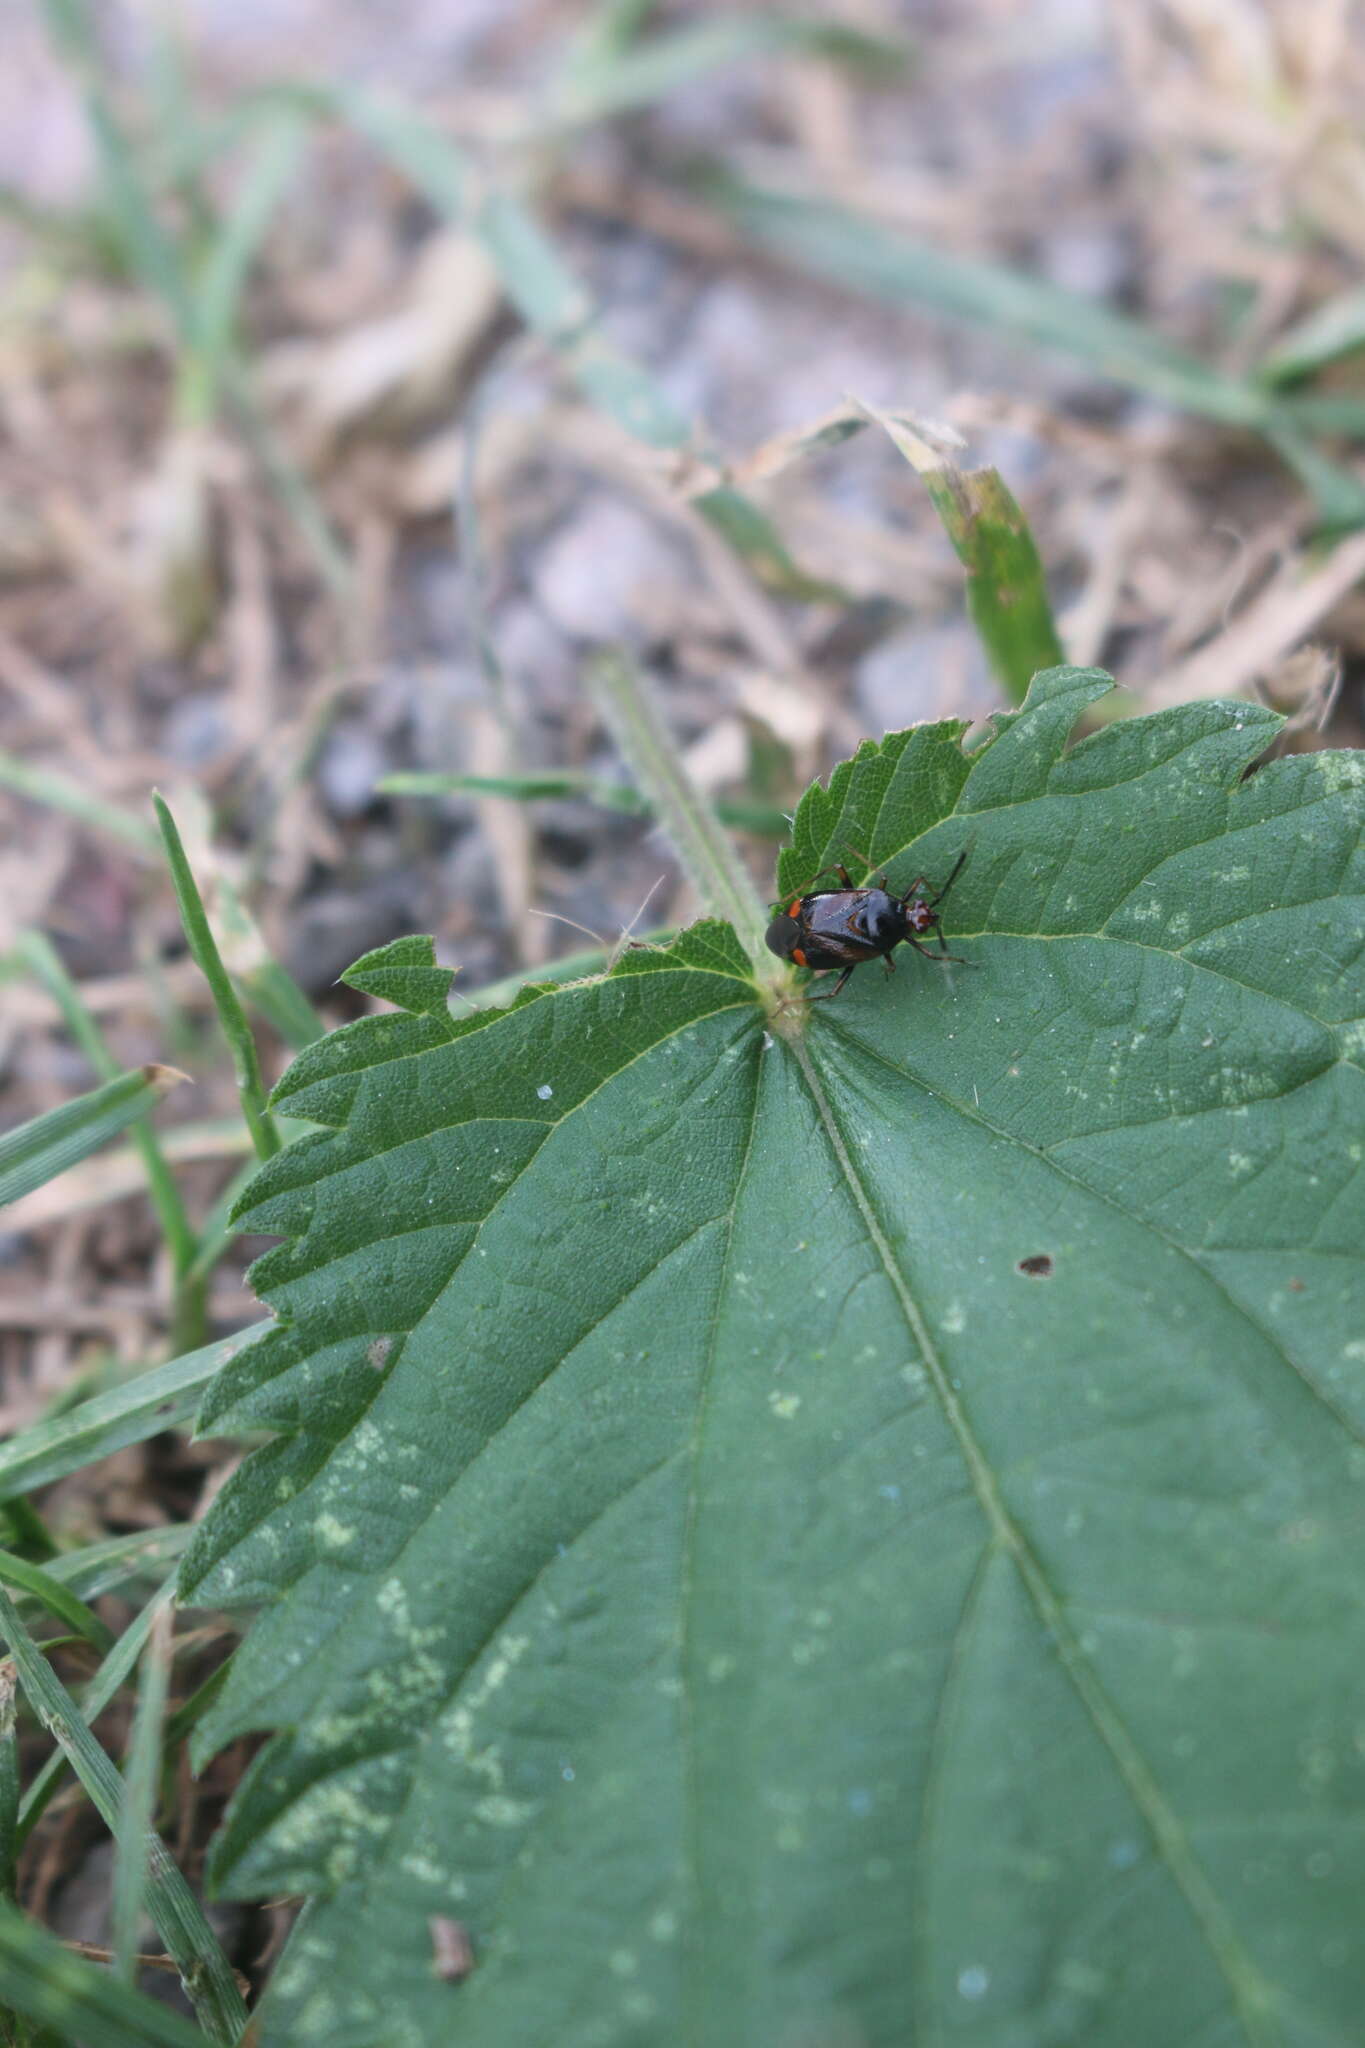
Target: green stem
<point>708,859</point>
<point>246,1065</point>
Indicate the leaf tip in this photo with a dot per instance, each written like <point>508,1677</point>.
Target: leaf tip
<point>163,1078</point>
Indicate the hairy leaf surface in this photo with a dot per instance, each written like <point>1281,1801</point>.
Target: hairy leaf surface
<point>845,1527</point>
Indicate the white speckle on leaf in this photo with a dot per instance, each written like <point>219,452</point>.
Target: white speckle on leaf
<point>973,1982</point>
<point>501,1812</point>
<point>954,1319</point>
<point>545,1091</point>
<point>784,1405</point>
<point>332,1534</point>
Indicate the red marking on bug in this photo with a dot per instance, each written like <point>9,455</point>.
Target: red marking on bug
<point>798,956</point>
<point>792,908</point>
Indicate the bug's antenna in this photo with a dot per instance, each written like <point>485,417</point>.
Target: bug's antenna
<point>958,865</point>
<point>621,944</point>
<point>571,922</point>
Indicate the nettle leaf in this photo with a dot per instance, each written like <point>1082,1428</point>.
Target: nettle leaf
<point>838,1524</point>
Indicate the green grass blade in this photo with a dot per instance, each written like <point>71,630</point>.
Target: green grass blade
<point>58,1599</point>
<point>219,288</point>
<point>1330,331</point>
<point>268,987</point>
<point>757,542</point>
<point>178,1916</point>
<point>138,1811</point>
<point>60,793</point>
<point>9,1788</point>
<point>203,947</point>
<point>26,1531</point>
<point>1337,492</point>
<point>164,1398</point>
<point>612,26</point>
<point>45,1146</point>
<point>766,820</point>
<point>615,79</point>
<point>187,1716</point>
<point>708,859</point>
<point>289,484</point>
<point>529,788</point>
<point>555,306</point>
<point>176,146</point>
<point>38,953</point>
<point>1325,412</point>
<point>219,1231</point>
<point>41,1978</point>
<point>121,1561</point>
<point>838,243</point>
<point>1006,588</point>
<point>274,994</point>
<point>112,1674</point>
<point>149,250</point>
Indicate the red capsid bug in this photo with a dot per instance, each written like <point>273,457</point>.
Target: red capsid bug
<point>844,927</point>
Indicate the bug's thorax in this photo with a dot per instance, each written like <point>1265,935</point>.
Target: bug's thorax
<point>869,917</point>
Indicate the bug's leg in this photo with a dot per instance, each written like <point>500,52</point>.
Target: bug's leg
<point>888,963</point>
<point>941,958</point>
<point>913,891</point>
<point>835,868</point>
<point>827,995</point>
<point>881,881</point>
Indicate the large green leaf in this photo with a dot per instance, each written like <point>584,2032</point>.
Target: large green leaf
<point>843,1524</point>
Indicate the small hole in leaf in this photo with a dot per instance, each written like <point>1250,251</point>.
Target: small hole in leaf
<point>1038,1267</point>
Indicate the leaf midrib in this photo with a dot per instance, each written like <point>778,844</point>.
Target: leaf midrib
<point>688,1771</point>
<point>1249,1993</point>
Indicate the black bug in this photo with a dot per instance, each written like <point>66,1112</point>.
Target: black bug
<point>846,926</point>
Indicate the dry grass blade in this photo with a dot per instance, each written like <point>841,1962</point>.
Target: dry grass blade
<point>1270,627</point>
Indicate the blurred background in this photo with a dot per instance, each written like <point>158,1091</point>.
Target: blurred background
<point>366,371</point>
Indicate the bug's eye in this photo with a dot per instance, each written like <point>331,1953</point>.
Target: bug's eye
<point>782,935</point>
